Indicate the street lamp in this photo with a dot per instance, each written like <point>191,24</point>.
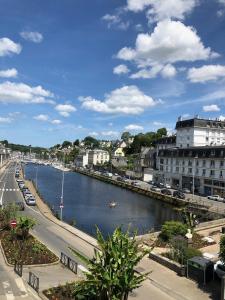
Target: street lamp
<point>62,193</point>
<point>36,176</point>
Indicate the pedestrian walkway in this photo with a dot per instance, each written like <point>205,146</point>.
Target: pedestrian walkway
<point>179,288</point>
<point>12,287</point>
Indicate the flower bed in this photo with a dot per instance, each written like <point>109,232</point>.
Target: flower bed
<point>29,251</point>
<point>61,292</point>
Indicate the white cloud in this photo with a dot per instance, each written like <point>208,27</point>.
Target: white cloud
<point>115,21</point>
<point>170,42</point>
<point>9,73</point>
<point>56,122</point>
<point>156,123</point>
<point>11,92</point>
<point>8,47</point>
<point>222,118</point>
<point>93,133</point>
<point>110,133</point>
<point>121,69</point>
<point>167,71</point>
<point>5,120</point>
<point>125,100</point>
<point>41,117</point>
<point>206,73</point>
<point>65,109</point>
<point>162,9</point>
<point>138,5</point>
<point>176,9</point>
<point>32,36</point>
<point>133,127</point>
<point>221,2</point>
<point>211,108</point>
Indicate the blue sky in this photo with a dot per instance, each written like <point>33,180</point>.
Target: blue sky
<point>74,68</point>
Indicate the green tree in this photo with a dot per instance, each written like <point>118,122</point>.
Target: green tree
<point>171,229</point>
<point>91,142</point>
<point>222,249</point>
<point>111,273</point>
<point>76,143</point>
<point>125,136</point>
<point>66,144</point>
<point>161,132</point>
<point>24,225</point>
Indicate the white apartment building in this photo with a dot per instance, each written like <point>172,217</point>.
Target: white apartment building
<point>98,157</point>
<point>205,166</point>
<point>198,132</point>
<point>198,158</point>
<point>81,160</point>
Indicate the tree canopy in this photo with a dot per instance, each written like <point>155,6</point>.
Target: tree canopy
<point>91,142</point>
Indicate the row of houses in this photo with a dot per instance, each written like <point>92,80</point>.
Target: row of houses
<point>193,158</point>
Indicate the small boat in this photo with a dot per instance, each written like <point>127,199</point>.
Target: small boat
<point>112,204</point>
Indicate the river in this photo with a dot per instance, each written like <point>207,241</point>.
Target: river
<point>86,201</point>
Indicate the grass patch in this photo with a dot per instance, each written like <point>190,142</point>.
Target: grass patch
<point>29,251</point>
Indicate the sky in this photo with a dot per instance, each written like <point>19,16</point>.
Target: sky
<point>73,68</point>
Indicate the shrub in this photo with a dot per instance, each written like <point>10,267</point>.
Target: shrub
<point>222,249</point>
<point>171,229</point>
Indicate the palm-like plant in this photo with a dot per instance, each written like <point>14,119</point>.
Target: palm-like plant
<point>111,273</point>
<point>24,225</point>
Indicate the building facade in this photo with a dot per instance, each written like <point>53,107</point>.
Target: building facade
<point>198,132</point>
<point>198,160</point>
<point>97,157</point>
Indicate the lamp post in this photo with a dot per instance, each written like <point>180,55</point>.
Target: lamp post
<point>36,176</point>
<point>62,193</point>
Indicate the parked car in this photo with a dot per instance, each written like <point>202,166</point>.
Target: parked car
<point>167,186</point>
<point>155,189</point>
<point>30,201</point>
<point>179,194</point>
<point>19,181</point>
<point>27,196</point>
<point>186,191</point>
<point>135,183</point>
<point>20,205</point>
<point>166,192</point>
<point>219,269</point>
<point>215,198</point>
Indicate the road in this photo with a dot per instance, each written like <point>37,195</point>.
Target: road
<point>58,239</point>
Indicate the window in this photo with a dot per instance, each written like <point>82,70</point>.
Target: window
<point>207,139</point>
<point>221,173</point>
<point>196,171</point>
<point>177,169</point>
<point>203,163</point>
<point>161,160</point>
<point>212,172</point>
<point>203,172</point>
<point>197,163</point>
<point>187,145</point>
<point>183,170</point>
<point>212,163</point>
<point>189,163</point>
<point>161,168</point>
<point>221,163</point>
<point>190,170</point>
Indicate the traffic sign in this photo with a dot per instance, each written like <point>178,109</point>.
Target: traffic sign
<point>13,223</point>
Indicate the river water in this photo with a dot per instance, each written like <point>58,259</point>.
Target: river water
<point>86,201</point>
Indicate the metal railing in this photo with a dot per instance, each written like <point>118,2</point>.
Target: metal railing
<point>33,281</point>
<point>69,262</point>
<point>18,268</point>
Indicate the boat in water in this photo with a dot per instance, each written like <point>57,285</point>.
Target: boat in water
<point>112,204</point>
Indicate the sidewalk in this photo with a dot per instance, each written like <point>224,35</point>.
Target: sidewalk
<point>179,288</point>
